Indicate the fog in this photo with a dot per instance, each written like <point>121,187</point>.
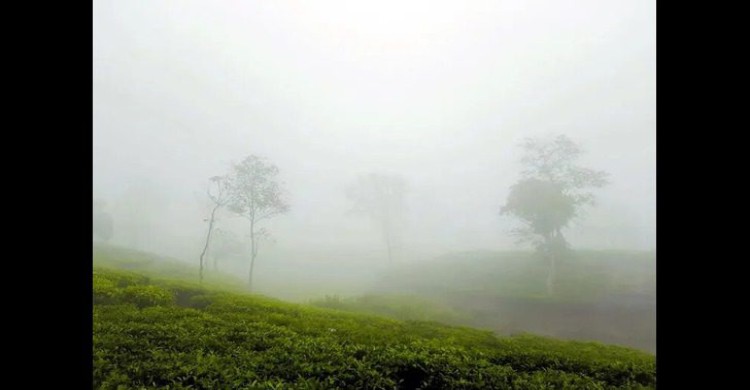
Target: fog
<point>439,92</point>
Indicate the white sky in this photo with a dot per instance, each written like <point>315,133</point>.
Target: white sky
<point>439,91</point>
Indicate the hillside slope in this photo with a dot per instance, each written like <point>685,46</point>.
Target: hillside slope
<point>607,296</point>
<point>152,332</point>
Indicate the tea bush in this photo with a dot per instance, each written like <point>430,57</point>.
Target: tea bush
<point>167,334</point>
<point>144,296</point>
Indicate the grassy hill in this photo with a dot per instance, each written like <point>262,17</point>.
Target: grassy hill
<point>582,276</point>
<point>153,331</point>
<point>606,296</point>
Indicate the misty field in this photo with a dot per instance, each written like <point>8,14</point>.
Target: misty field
<point>608,296</point>
<point>156,332</point>
<point>377,195</point>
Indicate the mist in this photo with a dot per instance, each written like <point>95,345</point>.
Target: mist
<point>439,93</point>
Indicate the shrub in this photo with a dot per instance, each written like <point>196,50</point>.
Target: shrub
<point>144,296</point>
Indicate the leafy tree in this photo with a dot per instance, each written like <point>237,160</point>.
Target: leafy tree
<point>219,193</point>
<point>381,197</point>
<point>256,194</point>
<point>551,192</point>
<point>102,221</point>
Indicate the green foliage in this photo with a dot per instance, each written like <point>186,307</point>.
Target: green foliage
<point>551,191</point>
<point>542,204</point>
<point>148,265</point>
<point>126,288</point>
<point>144,296</point>
<point>146,336</point>
<point>105,290</point>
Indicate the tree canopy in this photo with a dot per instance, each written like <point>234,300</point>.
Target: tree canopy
<point>551,192</point>
<point>256,194</point>
<point>552,189</point>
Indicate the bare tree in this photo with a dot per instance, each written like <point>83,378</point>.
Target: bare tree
<point>381,197</point>
<point>256,195</point>
<point>219,192</point>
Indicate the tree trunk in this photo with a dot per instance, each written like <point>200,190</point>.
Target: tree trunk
<point>551,274</point>
<point>250,277</point>
<point>550,252</point>
<point>208,240</point>
<point>555,247</point>
<point>253,253</point>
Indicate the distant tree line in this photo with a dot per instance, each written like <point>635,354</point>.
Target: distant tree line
<point>551,191</point>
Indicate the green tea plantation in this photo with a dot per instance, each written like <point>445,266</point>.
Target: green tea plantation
<point>152,332</point>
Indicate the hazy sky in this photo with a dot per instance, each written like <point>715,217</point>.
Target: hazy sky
<point>441,92</point>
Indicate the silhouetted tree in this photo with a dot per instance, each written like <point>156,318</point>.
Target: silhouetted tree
<point>219,192</point>
<point>256,195</point>
<point>551,192</point>
<point>381,197</point>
